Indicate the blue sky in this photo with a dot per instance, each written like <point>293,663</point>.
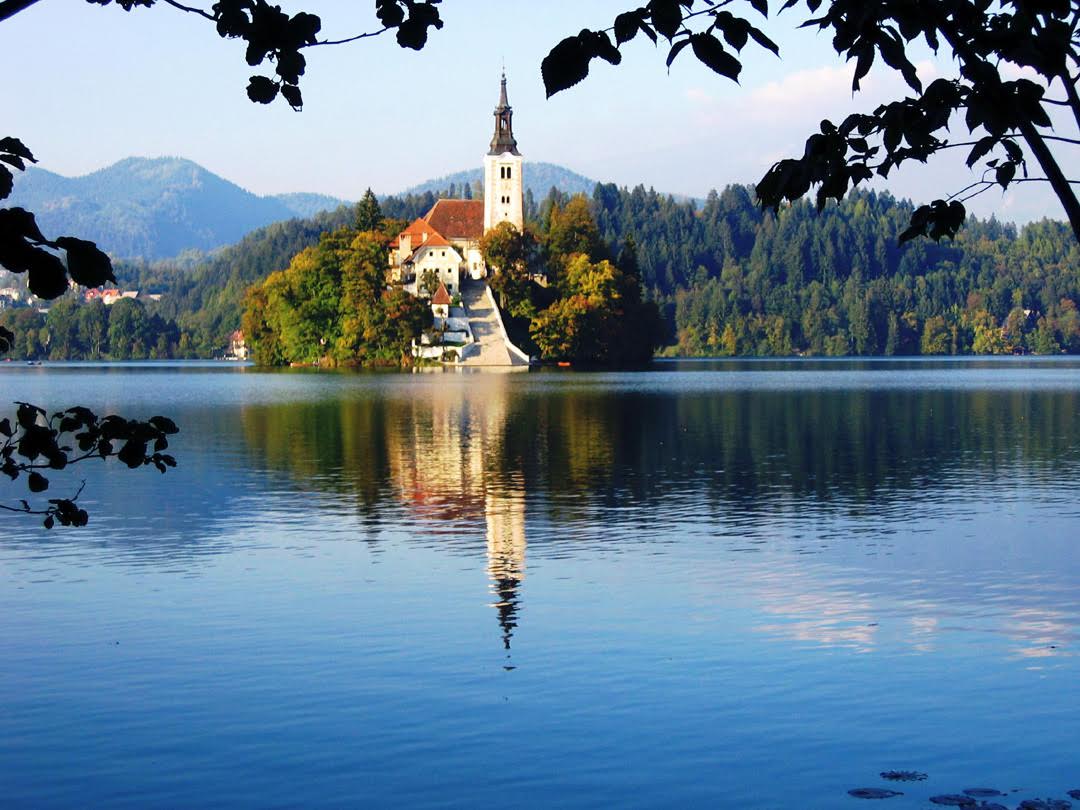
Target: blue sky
<point>98,84</point>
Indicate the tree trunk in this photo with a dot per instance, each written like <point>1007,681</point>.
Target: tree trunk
<point>1071,94</point>
<point>9,8</point>
<point>1057,179</point>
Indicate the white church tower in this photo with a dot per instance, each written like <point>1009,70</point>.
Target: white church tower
<point>502,171</point>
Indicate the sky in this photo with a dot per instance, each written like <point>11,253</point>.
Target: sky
<point>89,85</point>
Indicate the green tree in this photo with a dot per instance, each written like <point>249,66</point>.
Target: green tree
<point>429,282</point>
<point>572,230</point>
<point>986,334</point>
<point>512,257</point>
<point>63,326</point>
<point>1044,341</point>
<point>368,213</point>
<point>1014,331</point>
<point>935,336</point>
<point>989,42</point>
<point>129,330</point>
<point>93,329</point>
<point>331,306</point>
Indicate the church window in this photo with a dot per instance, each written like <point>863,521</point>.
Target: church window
<point>507,172</point>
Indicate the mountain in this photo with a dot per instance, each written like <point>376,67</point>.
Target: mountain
<point>158,208</point>
<point>153,207</point>
<point>306,204</point>
<point>539,178</point>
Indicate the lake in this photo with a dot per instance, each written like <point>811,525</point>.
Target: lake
<point>725,584</point>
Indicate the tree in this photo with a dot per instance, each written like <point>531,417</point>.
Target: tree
<point>429,282</point>
<point>1003,115</point>
<point>331,306</point>
<point>572,230</point>
<point>935,337</point>
<point>37,441</point>
<point>368,213</point>
<point>1008,119</point>
<point>511,256</point>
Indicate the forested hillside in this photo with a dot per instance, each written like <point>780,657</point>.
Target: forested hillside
<point>729,278</point>
<point>147,207</point>
<point>206,300</point>
<point>733,280</point>
<point>539,179</point>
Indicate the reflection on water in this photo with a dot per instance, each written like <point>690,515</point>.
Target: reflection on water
<point>795,473</point>
<point>715,585</point>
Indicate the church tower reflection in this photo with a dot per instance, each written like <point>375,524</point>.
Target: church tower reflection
<point>446,458</point>
<point>504,513</point>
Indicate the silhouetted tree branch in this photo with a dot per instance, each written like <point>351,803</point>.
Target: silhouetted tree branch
<point>36,441</point>
<point>1038,35</point>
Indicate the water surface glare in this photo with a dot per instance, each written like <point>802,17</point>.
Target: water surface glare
<point>727,584</point>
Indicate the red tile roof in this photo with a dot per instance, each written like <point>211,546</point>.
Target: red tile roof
<point>423,234</point>
<point>441,297</point>
<point>435,239</point>
<point>457,219</point>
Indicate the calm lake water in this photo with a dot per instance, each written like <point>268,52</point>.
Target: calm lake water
<point>721,584</point>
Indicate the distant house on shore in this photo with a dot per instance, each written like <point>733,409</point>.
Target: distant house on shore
<point>238,349</point>
<point>108,296</point>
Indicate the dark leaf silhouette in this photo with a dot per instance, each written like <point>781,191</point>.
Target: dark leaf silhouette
<point>710,52</point>
<point>37,442</point>
<point>262,90</point>
<point>565,66</point>
<point>87,265</point>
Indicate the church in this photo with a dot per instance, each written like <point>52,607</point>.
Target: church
<point>446,241</point>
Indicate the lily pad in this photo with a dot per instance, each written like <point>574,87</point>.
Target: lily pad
<point>954,800</point>
<point>903,776</point>
<point>873,793</point>
<point>983,793</point>
<point>1045,804</point>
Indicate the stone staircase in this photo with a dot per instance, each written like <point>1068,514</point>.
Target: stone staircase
<point>491,344</point>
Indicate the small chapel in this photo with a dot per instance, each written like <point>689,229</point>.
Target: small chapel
<point>446,240</point>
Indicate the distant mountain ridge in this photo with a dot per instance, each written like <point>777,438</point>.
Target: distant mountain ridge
<point>154,208</point>
<point>159,208</point>
<point>539,179</point>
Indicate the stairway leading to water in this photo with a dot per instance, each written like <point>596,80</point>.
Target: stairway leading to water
<point>491,349</point>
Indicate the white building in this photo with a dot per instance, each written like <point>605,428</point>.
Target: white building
<point>421,250</point>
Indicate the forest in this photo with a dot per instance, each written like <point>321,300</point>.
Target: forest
<point>331,306</point>
<point>73,330</point>
<point>729,279</point>
<point>734,281</point>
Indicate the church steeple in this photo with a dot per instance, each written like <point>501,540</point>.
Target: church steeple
<point>503,184</point>
<point>503,139</point>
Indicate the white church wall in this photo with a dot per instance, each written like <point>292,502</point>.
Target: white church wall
<point>503,195</point>
<point>446,262</point>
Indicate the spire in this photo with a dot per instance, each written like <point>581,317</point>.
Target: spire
<point>503,140</point>
<point>503,103</point>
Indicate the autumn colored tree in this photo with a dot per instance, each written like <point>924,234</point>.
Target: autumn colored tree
<point>512,257</point>
<point>330,306</point>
